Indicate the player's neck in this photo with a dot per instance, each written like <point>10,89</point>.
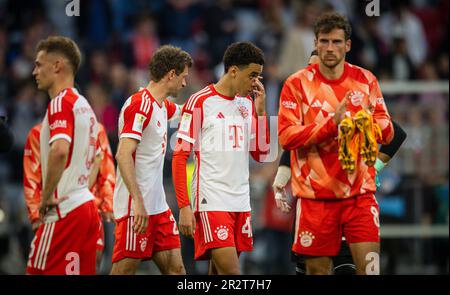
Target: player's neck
<point>332,73</point>
<point>59,86</point>
<point>157,90</point>
<point>223,86</point>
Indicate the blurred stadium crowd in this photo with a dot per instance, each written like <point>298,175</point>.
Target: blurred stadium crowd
<point>407,42</point>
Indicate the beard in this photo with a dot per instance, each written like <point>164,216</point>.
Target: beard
<point>331,64</point>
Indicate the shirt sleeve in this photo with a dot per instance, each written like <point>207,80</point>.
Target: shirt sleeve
<point>381,114</point>
<point>61,119</point>
<point>292,132</point>
<point>188,132</point>
<point>32,175</point>
<point>190,123</point>
<point>173,110</point>
<point>180,156</point>
<point>136,118</point>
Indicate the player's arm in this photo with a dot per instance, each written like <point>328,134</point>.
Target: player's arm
<point>186,222</point>
<point>380,113</point>
<point>388,151</point>
<point>61,138</point>
<point>107,176</point>
<point>173,110</point>
<point>136,118</point>
<point>260,142</point>
<point>57,159</point>
<point>281,179</point>
<point>32,179</point>
<point>124,156</point>
<point>190,126</point>
<point>292,132</point>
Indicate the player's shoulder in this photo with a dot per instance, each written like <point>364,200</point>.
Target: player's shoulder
<point>65,99</point>
<point>140,101</point>
<point>197,99</point>
<point>306,73</point>
<point>34,132</point>
<point>360,74</point>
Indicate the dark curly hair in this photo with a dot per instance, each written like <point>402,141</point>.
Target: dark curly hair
<point>168,58</point>
<point>330,21</point>
<point>242,54</point>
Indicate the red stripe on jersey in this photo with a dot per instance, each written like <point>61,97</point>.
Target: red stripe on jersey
<point>57,206</point>
<point>192,101</point>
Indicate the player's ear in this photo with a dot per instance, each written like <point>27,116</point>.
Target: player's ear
<point>171,74</point>
<point>348,45</point>
<point>233,71</point>
<point>58,64</point>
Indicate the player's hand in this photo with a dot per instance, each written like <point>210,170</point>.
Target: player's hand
<point>140,216</point>
<point>281,198</point>
<point>339,114</point>
<point>259,94</point>
<point>35,225</point>
<point>108,216</point>
<point>186,223</point>
<point>48,205</point>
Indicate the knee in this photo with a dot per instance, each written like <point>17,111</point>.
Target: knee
<point>318,270</point>
<point>177,269</point>
<point>229,271</point>
<point>122,270</point>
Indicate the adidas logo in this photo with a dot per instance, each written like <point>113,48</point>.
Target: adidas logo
<point>317,104</point>
<point>204,201</point>
<point>220,116</point>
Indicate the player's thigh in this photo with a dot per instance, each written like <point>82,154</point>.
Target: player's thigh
<point>366,256</point>
<point>318,265</point>
<point>125,266</point>
<point>169,262</point>
<point>225,260</point>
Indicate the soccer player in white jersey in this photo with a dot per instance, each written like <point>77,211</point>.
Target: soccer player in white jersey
<point>65,242</point>
<point>223,123</point>
<point>146,228</point>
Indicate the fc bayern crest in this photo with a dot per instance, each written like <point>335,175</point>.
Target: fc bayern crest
<point>243,110</point>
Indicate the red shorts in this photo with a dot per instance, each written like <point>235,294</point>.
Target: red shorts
<point>320,224</point>
<point>67,246</point>
<point>162,234</point>
<point>101,234</point>
<point>218,229</point>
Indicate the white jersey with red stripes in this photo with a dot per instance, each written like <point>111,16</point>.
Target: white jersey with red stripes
<point>70,117</point>
<point>220,128</point>
<point>143,119</point>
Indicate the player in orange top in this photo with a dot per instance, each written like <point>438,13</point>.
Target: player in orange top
<point>32,176</point>
<point>331,202</point>
<point>101,182</point>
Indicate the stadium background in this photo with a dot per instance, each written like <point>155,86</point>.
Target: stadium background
<point>406,46</point>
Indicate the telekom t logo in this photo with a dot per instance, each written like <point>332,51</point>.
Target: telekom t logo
<point>236,135</point>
